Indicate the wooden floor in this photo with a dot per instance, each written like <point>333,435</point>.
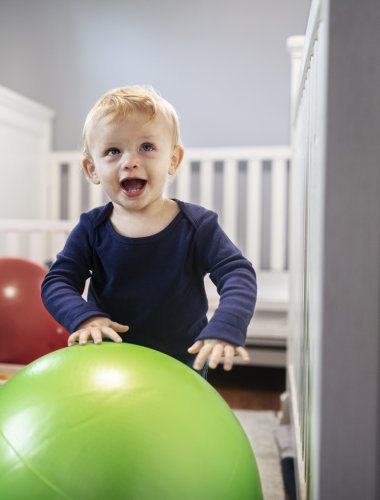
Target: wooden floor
<point>250,387</point>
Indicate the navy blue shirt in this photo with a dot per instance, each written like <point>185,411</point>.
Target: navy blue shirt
<point>154,284</point>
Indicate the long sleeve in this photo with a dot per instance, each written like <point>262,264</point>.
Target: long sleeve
<point>234,278</point>
<point>64,284</point>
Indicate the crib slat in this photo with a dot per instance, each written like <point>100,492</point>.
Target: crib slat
<point>254,215</point>
<point>54,193</point>
<point>37,246</point>
<point>75,192</point>
<point>57,242</point>
<point>278,215</point>
<point>206,184</point>
<point>230,179</point>
<point>183,181</point>
<point>12,243</point>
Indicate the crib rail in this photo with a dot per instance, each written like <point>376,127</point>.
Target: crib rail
<point>308,105</point>
<point>247,187</point>
<point>35,240</point>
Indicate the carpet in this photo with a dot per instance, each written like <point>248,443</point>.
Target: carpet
<point>259,427</point>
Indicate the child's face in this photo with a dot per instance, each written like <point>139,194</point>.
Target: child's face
<point>131,159</point>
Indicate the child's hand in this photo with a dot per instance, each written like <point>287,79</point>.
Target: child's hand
<point>214,350</point>
<point>96,328</point>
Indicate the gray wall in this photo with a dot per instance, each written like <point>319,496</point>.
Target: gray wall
<point>223,65</point>
<point>350,384</point>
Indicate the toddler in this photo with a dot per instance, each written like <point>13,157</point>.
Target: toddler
<point>147,255</point>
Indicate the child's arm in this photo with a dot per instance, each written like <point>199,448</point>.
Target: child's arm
<point>64,284</point>
<point>96,329</point>
<point>214,350</point>
<point>235,279</point>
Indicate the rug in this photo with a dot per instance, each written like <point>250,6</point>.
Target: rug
<point>259,427</point>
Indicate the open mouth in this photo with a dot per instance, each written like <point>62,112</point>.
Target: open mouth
<point>133,186</point>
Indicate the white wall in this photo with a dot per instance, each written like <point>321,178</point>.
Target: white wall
<point>223,65</point>
<point>25,143</point>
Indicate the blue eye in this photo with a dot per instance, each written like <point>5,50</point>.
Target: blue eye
<point>147,146</point>
<point>112,152</point>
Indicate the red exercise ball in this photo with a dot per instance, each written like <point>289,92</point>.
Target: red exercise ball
<point>27,331</point>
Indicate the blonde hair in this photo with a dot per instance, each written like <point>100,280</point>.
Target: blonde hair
<point>120,102</point>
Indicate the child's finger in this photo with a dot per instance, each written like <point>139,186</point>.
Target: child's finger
<point>243,353</point>
<point>216,354</point>
<point>84,336</point>
<point>72,340</point>
<point>96,335</point>
<point>196,347</point>
<point>110,333</point>
<point>202,356</point>
<point>229,353</point>
<point>119,327</point>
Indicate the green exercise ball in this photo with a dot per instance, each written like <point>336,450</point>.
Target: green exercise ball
<point>120,421</point>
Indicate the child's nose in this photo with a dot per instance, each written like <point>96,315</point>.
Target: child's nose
<point>129,161</point>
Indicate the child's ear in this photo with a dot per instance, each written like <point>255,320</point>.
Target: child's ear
<point>90,171</point>
<point>176,159</point>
